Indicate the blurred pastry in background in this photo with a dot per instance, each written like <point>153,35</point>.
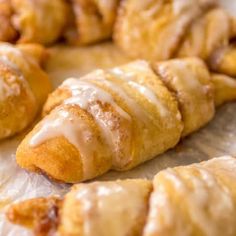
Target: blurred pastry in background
<point>93,21</point>
<point>39,21</point>
<point>24,86</point>
<point>160,30</point>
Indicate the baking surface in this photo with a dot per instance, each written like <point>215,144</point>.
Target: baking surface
<point>216,139</point>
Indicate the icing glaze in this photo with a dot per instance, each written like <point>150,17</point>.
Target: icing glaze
<point>129,78</point>
<point>209,204</point>
<point>110,205</point>
<point>74,129</point>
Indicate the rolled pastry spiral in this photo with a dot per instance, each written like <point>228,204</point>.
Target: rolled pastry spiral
<point>24,86</point>
<point>161,29</point>
<point>121,117</point>
<point>198,199</point>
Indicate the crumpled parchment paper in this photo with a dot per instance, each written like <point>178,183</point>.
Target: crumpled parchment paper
<point>216,139</point>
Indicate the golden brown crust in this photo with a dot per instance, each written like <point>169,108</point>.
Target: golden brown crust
<point>40,215</point>
<point>58,158</point>
<point>7,31</point>
<point>116,131</point>
<point>94,21</point>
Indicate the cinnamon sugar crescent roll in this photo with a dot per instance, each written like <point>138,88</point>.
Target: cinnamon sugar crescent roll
<point>24,87</point>
<point>39,21</point>
<point>121,117</point>
<point>94,20</point>
<point>112,119</point>
<point>198,199</point>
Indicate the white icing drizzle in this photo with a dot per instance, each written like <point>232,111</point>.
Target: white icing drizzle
<point>13,85</point>
<point>110,208</point>
<point>84,93</point>
<point>129,77</point>
<point>74,129</point>
<point>132,104</point>
<point>205,199</point>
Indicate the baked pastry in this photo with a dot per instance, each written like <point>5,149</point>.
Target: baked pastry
<point>199,199</point>
<point>24,87</point>
<point>187,28</point>
<point>142,28</point>
<point>119,118</point>
<point>39,21</point>
<point>7,31</point>
<point>93,21</point>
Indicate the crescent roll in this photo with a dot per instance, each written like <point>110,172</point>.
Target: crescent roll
<point>198,199</point>
<point>39,21</point>
<point>121,117</point>
<point>24,87</point>
<point>93,21</point>
<point>160,30</point>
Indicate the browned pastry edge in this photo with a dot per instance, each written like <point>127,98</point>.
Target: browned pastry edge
<point>41,215</point>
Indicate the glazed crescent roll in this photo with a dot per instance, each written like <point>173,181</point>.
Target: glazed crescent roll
<point>154,29</point>
<point>119,118</point>
<point>198,199</point>
<point>115,119</point>
<point>93,21</point>
<point>39,21</point>
<point>24,87</point>
<point>160,30</point>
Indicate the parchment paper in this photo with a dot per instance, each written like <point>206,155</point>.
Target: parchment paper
<point>216,139</point>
